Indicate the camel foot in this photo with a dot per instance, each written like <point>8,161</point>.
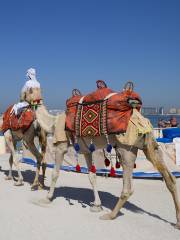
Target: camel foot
<point>19,183</point>
<point>37,186</point>
<point>34,187</point>
<point>107,216</point>
<point>44,202</point>
<point>96,208</point>
<point>8,178</point>
<point>177,226</point>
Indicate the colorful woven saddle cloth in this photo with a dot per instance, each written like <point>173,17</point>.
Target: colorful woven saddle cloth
<point>16,122</point>
<point>99,113</point>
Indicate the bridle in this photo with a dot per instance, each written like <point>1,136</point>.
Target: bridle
<point>35,103</point>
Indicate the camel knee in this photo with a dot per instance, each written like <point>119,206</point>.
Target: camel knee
<point>170,182</point>
<point>55,175</point>
<point>126,194</point>
<point>163,169</point>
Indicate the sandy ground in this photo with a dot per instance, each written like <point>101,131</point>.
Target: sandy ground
<point>148,215</point>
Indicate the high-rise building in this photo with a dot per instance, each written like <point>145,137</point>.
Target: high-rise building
<point>149,110</point>
<point>161,110</point>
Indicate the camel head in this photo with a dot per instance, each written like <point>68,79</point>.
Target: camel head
<point>33,95</point>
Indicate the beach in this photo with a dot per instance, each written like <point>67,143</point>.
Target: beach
<point>149,214</point>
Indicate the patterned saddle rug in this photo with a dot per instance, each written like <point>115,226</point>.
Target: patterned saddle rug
<point>13,122</point>
<point>99,113</point>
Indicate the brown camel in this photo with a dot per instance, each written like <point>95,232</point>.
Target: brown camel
<point>126,153</point>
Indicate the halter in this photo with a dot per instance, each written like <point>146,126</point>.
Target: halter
<point>35,103</point>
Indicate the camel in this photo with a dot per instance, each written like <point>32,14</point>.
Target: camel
<point>126,153</point>
<point>27,137</point>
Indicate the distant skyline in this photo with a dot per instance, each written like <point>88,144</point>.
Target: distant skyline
<point>73,43</point>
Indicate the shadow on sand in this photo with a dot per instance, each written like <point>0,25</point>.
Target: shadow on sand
<point>84,196</point>
<point>28,176</point>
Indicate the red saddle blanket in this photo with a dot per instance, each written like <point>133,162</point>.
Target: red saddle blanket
<point>11,121</point>
<point>96,115</point>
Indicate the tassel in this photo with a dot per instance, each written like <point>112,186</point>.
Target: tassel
<point>92,147</point>
<point>78,168</point>
<point>93,169</point>
<point>112,172</point>
<point>135,165</point>
<point>118,165</point>
<point>106,162</point>
<point>76,147</point>
<point>109,148</point>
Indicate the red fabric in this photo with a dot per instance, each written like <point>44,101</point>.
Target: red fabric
<point>6,116</point>
<point>118,109</point>
<point>71,111</point>
<point>98,95</point>
<point>90,120</point>
<point>11,121</point>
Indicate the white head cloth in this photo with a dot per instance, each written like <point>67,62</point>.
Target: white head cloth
<point>31,74</point>
<point>32,81</point>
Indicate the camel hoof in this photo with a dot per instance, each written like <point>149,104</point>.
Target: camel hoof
<point>96,208</point>
<point>19,183</point>
<point>8,178</point>
<point>44,201</point>
<point>177,226</point>
<point>33,187</point>
<point>37,186</point>
<point>41,186</point>
<point>106,216</point>
<point>41,202</point>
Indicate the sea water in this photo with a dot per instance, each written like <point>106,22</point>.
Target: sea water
<point>155,118</point>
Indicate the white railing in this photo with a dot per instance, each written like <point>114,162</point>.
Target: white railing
<point>157,132</point>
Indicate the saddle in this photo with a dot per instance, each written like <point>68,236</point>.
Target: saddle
<point>101,112</point>
<point>16,122</point>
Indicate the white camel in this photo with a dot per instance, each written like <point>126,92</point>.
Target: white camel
<point>27,137</point>
<point>126,153</point>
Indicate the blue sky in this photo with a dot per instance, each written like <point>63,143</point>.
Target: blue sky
<point>72,43</point>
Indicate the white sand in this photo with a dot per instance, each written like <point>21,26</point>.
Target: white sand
<point>148,215</point>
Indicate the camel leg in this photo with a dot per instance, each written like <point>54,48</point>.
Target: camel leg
<point>61,150</point>
<point>38,156</point>
<point>13,157</point>
<point>44,165</point>
<point>10,177</point>
<point>128,159</point>
<point>43,144</point>
<point>153,155</point>
<point>96,207</point>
